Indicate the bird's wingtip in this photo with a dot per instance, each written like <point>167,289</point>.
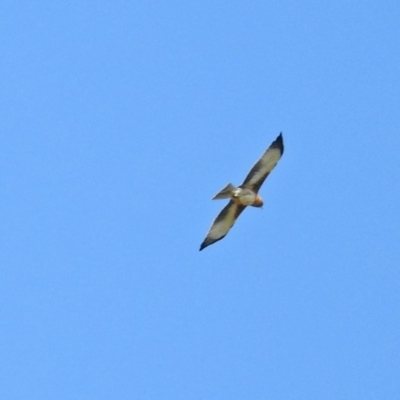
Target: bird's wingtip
<point>278,143</point>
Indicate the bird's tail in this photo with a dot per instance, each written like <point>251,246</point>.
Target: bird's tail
<point>225,193</point>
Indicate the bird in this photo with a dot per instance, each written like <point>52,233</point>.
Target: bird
<point>244,195</point>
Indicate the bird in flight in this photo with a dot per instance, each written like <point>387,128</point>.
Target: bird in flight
<point>244,195</point>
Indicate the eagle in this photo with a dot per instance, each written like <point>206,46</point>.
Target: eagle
<point>244,195</point>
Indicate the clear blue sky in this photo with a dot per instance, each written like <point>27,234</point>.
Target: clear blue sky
<point>119,121</point>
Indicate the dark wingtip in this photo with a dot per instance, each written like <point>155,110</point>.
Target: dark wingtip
<point>203,245</point>
<point>278,143</point>
<point>208,241</point>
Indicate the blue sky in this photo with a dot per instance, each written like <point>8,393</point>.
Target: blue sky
<point>119,121</point>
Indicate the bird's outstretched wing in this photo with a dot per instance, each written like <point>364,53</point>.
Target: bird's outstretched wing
<point>264,165</point>
<point>221,225</point>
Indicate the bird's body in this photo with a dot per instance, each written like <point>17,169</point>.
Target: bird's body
<point>244,195</point>
<point>240,195</point>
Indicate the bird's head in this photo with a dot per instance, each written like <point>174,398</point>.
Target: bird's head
<point>258,202</point>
